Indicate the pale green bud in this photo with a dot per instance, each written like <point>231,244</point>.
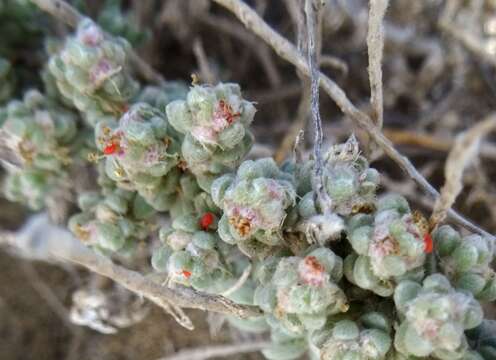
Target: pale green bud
<point>255,205</point>
<point>435,317</point>
<point>92,71</point>
<point>214,121</point>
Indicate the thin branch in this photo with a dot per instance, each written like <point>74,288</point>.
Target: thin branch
<point>261,51</point>
<point>375,46</point>
<point>39,239</point>
<point>241,281</point>
<point>208,352</point>
<point>334,62</point>
<point>70,16</point>
<point>301,118</point>
<point>432,142</point>
<point>312,9</point>
<point>288,52</point>
<point>471,42</point>
<point>465,149</point>
<point>206,73</point>
<point>162,296</point>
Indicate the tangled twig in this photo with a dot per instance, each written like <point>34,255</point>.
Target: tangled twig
<point>375,46</point>
<point>39,237</point>
<point>288,52</point>
<point>462,154</point>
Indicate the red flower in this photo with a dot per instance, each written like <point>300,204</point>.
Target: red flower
<point>206,220</point>
<point>186,273</point>
<point>428,243</point>
<point>110,149</point>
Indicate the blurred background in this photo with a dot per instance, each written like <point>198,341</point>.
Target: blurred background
<point>439,79</point>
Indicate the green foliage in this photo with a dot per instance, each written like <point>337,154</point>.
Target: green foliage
<point>388,246</point>
<point>467,261</point>
<point>42,133</point>
<point>255,203</point>
<point>301,292</point>
<point>214,121</point>
<point>92,70</point>
<point>435,317</point>
<point>141,153</point>
<point>369,338</point>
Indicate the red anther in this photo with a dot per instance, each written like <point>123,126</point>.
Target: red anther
<point>313,264</point>
<point>110,149</point>
<point>428,243</point>
<point>206,220</point>
<point>227,111</point>
<point>186,273</point>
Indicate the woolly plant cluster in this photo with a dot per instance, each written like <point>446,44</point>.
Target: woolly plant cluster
<point>92,71</point>
<point>42,133</point>
<point>338,273</point>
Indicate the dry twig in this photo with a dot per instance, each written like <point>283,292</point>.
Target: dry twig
<point>375,46</point>
<point>288,52</point>
<point>70,16</point>
<point>300,120</point>
<point>465,149</point>
<point>208,352</point>
<point>433,142</point>
<point>206,73</point>
<point>470,41</point>
<point>334,62</point>
<point>167,298</point>
<point>42,240</point>
<point>312,9</point>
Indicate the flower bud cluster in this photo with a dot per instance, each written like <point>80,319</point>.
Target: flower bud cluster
<point>368,338</point>
<point>42,134</point>
<point>112,221</point>
<point>92,71</point>
<point>467,261</point>
<point>389,246</point>
<point>299,293</point>
<point>142,153</point>
<point>160,97</point>
<point>214,120</point>
<point>255,203</point>
<point>348,180</point>
<point>192,254</point>
<point>350,187</point>
<point>434,318</point>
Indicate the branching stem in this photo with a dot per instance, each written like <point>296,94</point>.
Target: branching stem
<point>287,51</point>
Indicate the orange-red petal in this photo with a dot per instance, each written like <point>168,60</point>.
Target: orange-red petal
<point>206,220</point>
<point>110,149</point>
<point>428,243</point>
